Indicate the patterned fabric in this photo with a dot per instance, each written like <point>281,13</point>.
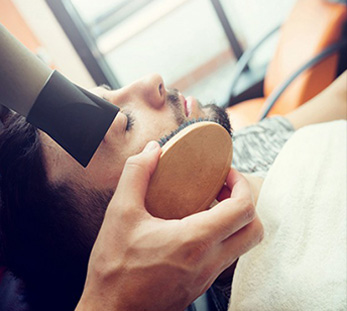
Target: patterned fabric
<point>256,147</point>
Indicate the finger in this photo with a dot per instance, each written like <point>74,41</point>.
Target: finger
<point>221,256</point>
<point>233,181</point>
<point>236,182</point>
<point>225,254</point>
<point>224,193</point>
<point>133,183</point>
<point>241,242</point>
<point>228,216</point>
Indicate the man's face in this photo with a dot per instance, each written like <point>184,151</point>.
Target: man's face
<point>148,112</point>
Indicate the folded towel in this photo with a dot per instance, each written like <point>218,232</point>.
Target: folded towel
<point>301,263</point>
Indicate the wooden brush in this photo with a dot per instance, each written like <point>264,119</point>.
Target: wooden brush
<point>192,169</point>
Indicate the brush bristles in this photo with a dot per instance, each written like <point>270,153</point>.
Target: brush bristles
<point>166,138</point>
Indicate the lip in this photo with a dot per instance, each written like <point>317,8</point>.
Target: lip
<point>191,105</point>
<point>184,104</point>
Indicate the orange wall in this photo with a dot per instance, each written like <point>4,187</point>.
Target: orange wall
<point>33,23</point>
<point>13,21</point>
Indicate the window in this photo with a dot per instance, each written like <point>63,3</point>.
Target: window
<point>183,40</point>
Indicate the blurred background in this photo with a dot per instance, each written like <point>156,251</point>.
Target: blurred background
<point>193,44</point>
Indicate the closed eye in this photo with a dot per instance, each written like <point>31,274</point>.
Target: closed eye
<point>130,121</point>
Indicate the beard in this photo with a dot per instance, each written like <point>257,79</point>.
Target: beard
<point>173,100</point>
<point>210,112</point>
<point>219,115</point>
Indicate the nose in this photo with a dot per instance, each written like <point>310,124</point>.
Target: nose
<point>151,88</point>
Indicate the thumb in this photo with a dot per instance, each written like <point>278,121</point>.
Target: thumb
<point>133,183</point>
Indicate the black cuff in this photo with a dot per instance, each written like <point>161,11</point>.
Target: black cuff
<point>76,119</point>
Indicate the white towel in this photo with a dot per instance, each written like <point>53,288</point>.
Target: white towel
<point>301,263</point>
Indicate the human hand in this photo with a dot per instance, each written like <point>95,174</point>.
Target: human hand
<point>140,262</point>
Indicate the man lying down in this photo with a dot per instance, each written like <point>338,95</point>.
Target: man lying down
<point>52,208</point>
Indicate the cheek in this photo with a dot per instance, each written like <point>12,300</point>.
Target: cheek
<point>105,168</point>
<point>137,139</point>
<point>155,127</point>
<point>150,131</point>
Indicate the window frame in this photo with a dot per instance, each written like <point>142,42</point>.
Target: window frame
<point>83,42</point>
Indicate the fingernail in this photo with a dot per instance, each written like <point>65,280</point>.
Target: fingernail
<point>152,145</point>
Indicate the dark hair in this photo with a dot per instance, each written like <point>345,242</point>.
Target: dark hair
<point>47,230</point>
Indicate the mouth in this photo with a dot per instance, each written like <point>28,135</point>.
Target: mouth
<point>188,104</point>
<point>183,102</point>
